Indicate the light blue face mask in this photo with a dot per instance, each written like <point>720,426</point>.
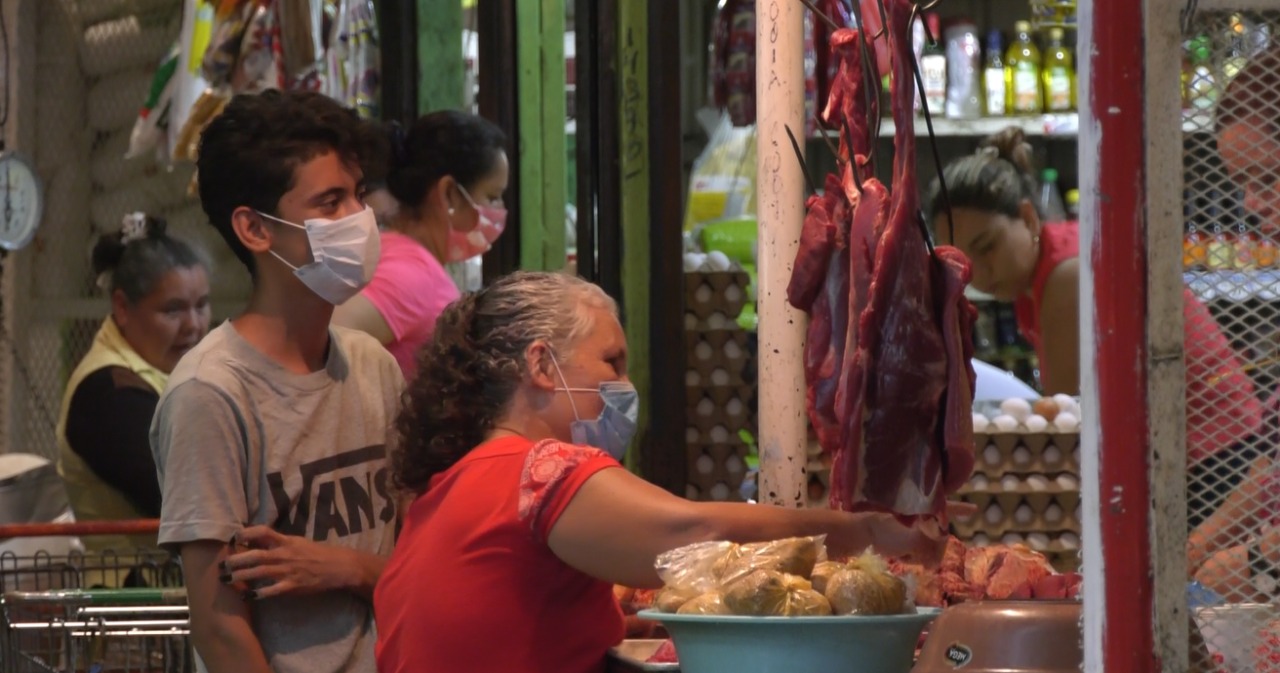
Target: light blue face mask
<point>613,431</point>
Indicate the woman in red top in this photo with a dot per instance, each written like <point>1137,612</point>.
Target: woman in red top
<point>511,437</point>
<point>1017,258</point>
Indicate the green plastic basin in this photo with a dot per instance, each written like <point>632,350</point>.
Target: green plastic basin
<point>847,644</point>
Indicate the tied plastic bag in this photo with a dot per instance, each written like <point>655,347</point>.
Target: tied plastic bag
<point>722,183</point>
<point>691,569</point>
<point>865,586</point>
<point>793,556</point>
<point>700,573</point>
<point>710,603</point>
<point>766,593</point>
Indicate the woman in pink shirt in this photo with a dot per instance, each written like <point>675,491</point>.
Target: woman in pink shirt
<point>446,177</point>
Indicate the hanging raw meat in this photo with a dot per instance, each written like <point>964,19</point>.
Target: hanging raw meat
<point>887,363</point>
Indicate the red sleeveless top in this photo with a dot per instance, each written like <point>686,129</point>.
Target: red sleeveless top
<point>1221,405</point>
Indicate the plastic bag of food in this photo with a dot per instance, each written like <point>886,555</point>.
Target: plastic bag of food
<point>767,593</point>
<point>865,586</point>
<point>793,556</point>
<point>822,574</point>
<point>710,603</point>
<point>691,569</point>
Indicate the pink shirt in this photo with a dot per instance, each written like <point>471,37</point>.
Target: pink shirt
<point>410,289</point>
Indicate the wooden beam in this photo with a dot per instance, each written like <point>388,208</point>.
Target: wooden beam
<point>498,101</point>
<point>633,59</point>
<point>441,71</point>
<point>664,455</point>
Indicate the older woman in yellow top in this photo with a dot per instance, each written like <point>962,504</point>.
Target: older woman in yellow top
<point>159,289</point>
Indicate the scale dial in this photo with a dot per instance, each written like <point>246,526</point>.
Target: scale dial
<point>21,201</point>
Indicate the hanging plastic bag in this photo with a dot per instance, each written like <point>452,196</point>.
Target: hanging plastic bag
<point>150,129</point>
<point>223,52</point>
<point>723,181</point>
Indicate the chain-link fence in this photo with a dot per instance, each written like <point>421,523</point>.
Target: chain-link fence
<point>1232,334</point>
<point>94,65</point>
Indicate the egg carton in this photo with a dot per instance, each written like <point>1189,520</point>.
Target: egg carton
<point>1026,453</point>
<point>730,406</point>
<point>708,293</point>
<point>1060,413</point>
<point>718,357</point>
<point>1049,544</point>
<point>999,513</point>
<point>1029,484</point>
<point>720,433</point>
<point>715,468</point>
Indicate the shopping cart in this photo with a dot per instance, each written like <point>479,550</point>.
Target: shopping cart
<point>56,615</point>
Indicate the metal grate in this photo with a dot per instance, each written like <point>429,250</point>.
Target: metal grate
<point>1232,344</point>
<point>95,60</point>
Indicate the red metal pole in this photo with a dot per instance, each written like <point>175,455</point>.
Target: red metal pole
<point>1118,260</point>
<point>85,528</point>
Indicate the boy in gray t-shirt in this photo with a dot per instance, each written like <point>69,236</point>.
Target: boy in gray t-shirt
<point>272,436</point>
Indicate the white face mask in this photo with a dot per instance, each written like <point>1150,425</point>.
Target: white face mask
<point>346,253</point>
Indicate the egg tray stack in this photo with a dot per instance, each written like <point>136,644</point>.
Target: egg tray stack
<point>720,384</point>
<point>1026,487</point>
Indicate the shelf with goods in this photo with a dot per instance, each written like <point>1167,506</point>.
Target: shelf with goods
<point>1233,285</point>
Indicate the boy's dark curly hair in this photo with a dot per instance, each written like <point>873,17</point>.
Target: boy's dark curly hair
<point>248,153</point>
<point>475,362</point>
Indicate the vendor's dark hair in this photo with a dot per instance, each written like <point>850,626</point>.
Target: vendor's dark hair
<point>1253,93</point>
<point>441,143</point>
<point>475,361</point>
<point>133,260</point>
<point>995,179</point>
<point>249,152</point>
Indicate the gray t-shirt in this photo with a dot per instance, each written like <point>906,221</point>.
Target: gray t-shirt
<point>240,441</point>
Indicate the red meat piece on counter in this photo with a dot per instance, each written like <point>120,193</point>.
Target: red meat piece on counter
<point>666,654</point>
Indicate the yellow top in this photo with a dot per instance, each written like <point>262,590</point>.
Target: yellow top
<point>93,499</point>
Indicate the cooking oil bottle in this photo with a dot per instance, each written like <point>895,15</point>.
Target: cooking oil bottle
<point>1058,75</point>
<point>1022,86</point>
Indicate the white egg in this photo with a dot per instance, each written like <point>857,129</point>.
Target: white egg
<point>704,464</point>
<point>1023,515</point>
<point>717,321</point>
<point>1067,403</point>
<point>1021,456</point>
<point>1036,423</point>
<point>693,261</point>
<point>978,482</point>
<point>994,514</point>
<point>1011,538</point>
<point>1005,423</point>
<point>1052,455</point>
<point>719,377</point>
<point>719,434</point>
<point>1038,541</point>
<point>733,293</point>
<point>981,540</point>
<point>732,350</point>
<point>692,435</point>
<point>720,491</point>
<point>733,406</point>
<point>703,294</point>
<point>1037,482</point>
<point>1019,408</point>
<point>690,321</point>
<point>691,378</point>
<point>1068,482</point>
<point>718,261</point>
<point>691,492</point>
<point>1076,514</point>
<point>1067,422</point>
<point>703,351</point>
<point>1075,455</point>
<point>1070,540</point>
<point>980,423</point>
<point>706,407</point>
<point>1053,513</point>
<point>991,455</point>
<point>1009,483</point>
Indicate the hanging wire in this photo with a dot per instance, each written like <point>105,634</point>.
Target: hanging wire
<point>933,138</point>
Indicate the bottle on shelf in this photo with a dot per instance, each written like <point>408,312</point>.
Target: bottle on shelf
<point>933,67</point>
<point>993,75</point>
<point>1023,94</point>
<point>1220,251</point>
<point>1264,252</point>
<point>964,71</point>
<point>1233,60</point>
<point>918,40</point>
<point>1194,253</point>
<point>1058,74</point>
<point>1051,208</point>
<point>1202,90</point>
<point>1246,247</point>
<point>1072,202</point>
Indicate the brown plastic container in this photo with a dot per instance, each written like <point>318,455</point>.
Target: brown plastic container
<point>1005,637</point>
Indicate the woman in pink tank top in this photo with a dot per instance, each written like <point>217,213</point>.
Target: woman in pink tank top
<point>1035,265</point>
<point>445,185</point>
